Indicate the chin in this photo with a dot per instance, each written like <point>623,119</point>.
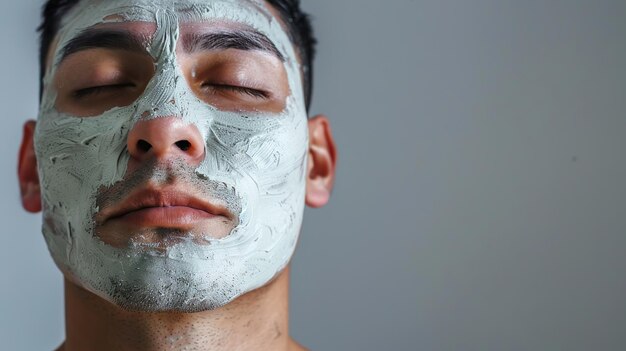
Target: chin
<point>184,277</point>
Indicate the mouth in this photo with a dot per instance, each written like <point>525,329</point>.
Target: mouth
<point>164,208</point>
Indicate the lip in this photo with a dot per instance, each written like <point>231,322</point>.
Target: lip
<point>167,208</point>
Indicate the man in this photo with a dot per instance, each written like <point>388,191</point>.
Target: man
<point>172,158</point>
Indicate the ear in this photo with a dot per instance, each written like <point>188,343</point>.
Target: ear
<point>27,171</point>
<point>322,162</point>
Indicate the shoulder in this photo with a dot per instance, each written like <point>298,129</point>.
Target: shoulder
<point>294,346</point>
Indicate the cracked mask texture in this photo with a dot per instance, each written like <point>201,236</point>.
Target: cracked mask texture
<point>255,163</point>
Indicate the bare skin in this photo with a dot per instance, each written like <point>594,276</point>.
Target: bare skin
<point>255,321</point>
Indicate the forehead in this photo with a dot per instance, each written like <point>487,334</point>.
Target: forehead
<point>187,14</point>
<point>187,10</point>
<point>145,17</point>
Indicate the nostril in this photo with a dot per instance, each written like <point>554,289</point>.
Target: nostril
<point>184,145</point>
<point>143,145</point>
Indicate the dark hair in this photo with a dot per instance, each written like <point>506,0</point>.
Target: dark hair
<point>298,27</point>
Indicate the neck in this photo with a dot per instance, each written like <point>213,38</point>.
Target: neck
<point>255,321</point>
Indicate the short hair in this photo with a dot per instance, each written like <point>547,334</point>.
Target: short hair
<point>298,25</point>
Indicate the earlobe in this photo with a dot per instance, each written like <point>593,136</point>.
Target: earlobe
<point>322,162</point>
<point>27,171</point>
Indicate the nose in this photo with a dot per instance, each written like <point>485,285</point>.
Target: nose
<point>165,137</point>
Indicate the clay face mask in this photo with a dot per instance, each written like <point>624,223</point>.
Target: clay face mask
<point>252,173</point>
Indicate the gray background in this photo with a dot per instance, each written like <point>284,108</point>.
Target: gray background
<point>480,202</point>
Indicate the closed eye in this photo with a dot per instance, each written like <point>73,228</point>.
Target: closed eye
<point>90,91</point>
<point>259,94</point>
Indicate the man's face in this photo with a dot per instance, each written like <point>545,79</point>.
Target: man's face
<point>172,149</point>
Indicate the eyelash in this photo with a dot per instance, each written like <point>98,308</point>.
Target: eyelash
<point>238,89</point>
<point>85,92</point>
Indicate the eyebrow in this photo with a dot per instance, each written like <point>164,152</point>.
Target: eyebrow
<point>94,38</point>
<point>243,39</point>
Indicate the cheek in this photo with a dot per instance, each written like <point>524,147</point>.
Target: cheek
<point>77,157</point>
<point>279,159</point>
